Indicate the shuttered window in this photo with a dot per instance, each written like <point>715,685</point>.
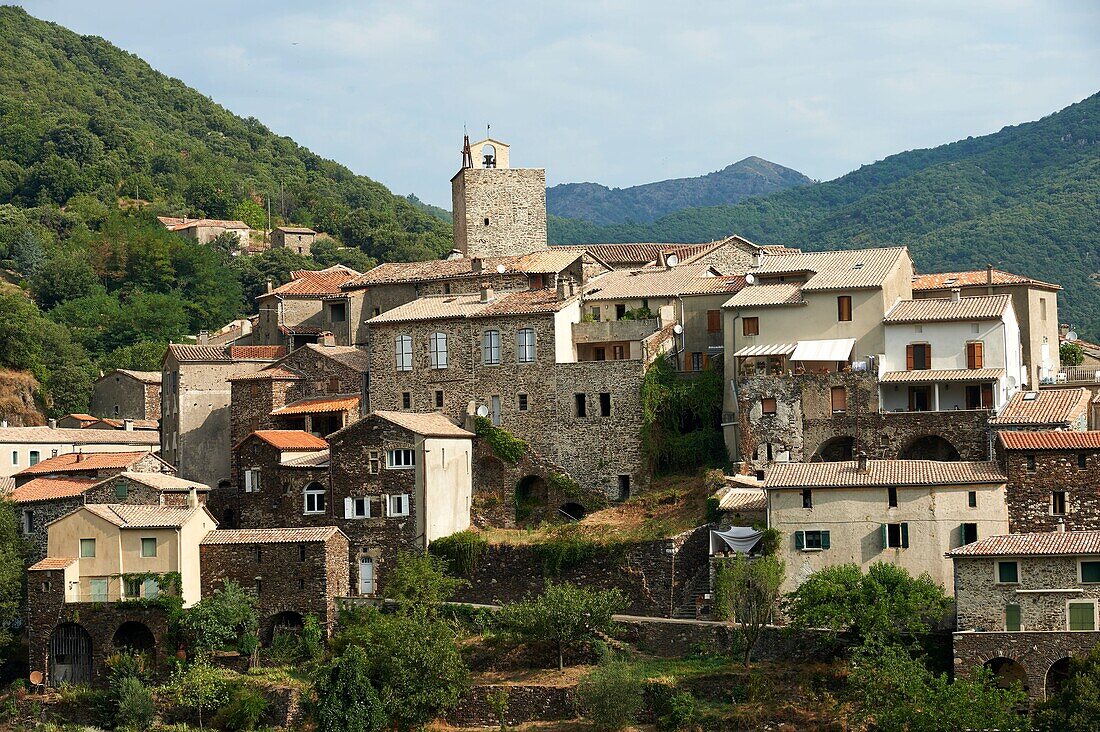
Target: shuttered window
<point>844,308</point>
<point>1082,616</point>
<point>918,356</point>
<point>974,354</point>
<point>714,321</point>
<point>1012,618</point>
<point>1008,573</point>
<point>840,399</point>
<point>750,326</point>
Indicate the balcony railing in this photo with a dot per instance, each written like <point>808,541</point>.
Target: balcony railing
<point>602,331</point>
<point>1075,375</point>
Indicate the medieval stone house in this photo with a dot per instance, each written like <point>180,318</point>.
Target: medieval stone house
<point>127,394</point>
<point>1053,479</point>
<point>299,311</point>
<point>298,239</point>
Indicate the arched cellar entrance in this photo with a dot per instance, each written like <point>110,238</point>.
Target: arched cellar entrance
<point>135,637</point>
<point>572,511</point>
<point>836,449</point>
<point>1056,676</point>
<point>930,447</point>
<point>531,495</point>
<point>1007,672</point>
<point>287,622</point>
<point>70,655</point>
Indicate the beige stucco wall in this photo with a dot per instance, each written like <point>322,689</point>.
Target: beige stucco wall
<point>444,474</point>
<point>852,516</point>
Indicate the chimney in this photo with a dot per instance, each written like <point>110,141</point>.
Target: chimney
<point>128,425</point>
<point>3,423</point>
<point>476,264</point>
<point>662,260</point>
<point>52,424</point>
<point>270,287</point>
<point>989,279</point>
<point>564,288</point>
<point>862,464</point>
<point>204,338</point>
<point>79,456</point>
<point>756,259</point>
<point>193,497</point>
<point>327,339</point>
<point>1061,526</point>
<point>1063,329</point>
<point>956,294</point>
<point>486,292</point>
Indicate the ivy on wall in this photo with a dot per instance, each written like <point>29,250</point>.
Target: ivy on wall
<point>682,419</point>
<point>507,446</point>
<point>462,551</point>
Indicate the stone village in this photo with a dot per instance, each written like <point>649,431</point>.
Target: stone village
<point>870,413</point>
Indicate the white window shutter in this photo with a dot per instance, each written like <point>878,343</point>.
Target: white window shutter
<point>248,481</point>
<point>385,505</point>
<point>349,507</point>
<point>366,506</point>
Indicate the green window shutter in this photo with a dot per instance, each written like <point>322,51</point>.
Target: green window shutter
<point>882,534</point>
<point>1012,617</point>
<point>799,539</point>
<point>1008,572</point>
<point>121,490</point>
<point>824,539</point>
<point>1081,616</point>
<point>1090,571</point>
<point>905,536</point>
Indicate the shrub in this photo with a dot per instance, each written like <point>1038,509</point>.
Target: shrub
<point>244,711</point>
<point>498,702</point>
<point>346,699</point>
<point>313,638</point>
<point>611,696</point>
<point>462,550</point>
<point>135,704</point>
<point>507,446</point>
<point>225,619</point>
<point>199,687</point>
<point>671,710</point>
<point>566,548</point>
<point>419,584</point>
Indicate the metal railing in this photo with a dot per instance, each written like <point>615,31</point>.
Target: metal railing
<point>1076,375</point>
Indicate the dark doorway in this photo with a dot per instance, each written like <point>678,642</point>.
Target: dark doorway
<point>134,636</point>
<point>837,449</point>
<point>70,655</point>
<point>530,496</point>
<point>1056,676</point>
<point>1007,672</point>
<point>284,623</point>
<point>572,511</point>
<point>930,447</point>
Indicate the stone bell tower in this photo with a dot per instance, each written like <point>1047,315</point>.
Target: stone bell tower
<point>498,210</point>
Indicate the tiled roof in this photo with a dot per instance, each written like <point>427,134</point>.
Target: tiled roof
<point>927,376</point>
<point>149,377</point>
<point>1049,440</point>
<point>941,310</point>
<point>185,352</point>
<point>881,473</point>
<point>301,329</point>
<point>50,489</point>
<point>760,296</point>
<point>317,405</point>
<point>317,459</point>
<point>547,261</point>
<point>75,436</point>
<point>974,278</point>
<point>81,462</point>
<point>743,499</point>
<point>779,249</point>
<point>1049,544</point>
<point>138,424</point>
<point>162,482</point>
<point>142,517</point>
<point>270,536</point>
<point>290,439</point>
<point>295,229</point>
<point>81,417</point>
<point>645,253</point>
<point>429,424</point>
<point>850,269</point>
<point>256,353</point>
<point>1044,407</point>
<point>684,279</point>
<point>51,563</point>
<point>310,283</point>
<point>223,223</point>
<point>523,302</point>
<point>432,307</point>
<point>354,358</point>
<point>271,372</point>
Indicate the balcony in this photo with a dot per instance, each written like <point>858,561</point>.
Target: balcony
<point>1074,375</point>
<point>605,331</point>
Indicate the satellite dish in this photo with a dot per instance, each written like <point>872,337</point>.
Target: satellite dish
<point>672,260</point>
<point>483,411</point>
<point>750,279</point>
<point>500,269</point>
<point>1071,336</point>
<point>677,329</point>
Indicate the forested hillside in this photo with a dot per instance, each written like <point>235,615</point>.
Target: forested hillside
<point>1026,198</point>
<point>599,204</point>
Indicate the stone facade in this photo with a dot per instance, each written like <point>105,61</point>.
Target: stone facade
<point>289,576</point>
<point>296,239</point>
<point>526,703</point>
<point>499,211</point>
<point>1033,478</point>
<point>1031,656</point>
<point>36,515</point>
<point>121,395</point>
<point>281,498</point>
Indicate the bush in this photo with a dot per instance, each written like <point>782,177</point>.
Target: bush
<point>566,548</point>
<point>419,584</point>
<point>507,446</point>
<point>462,550</point>
<point>135,704</point>
<point>611,696</point>
<point>346,699</point>
<point>199,688</point>
<point>244,711</point>
<point>671,710</point>
<point>226,619</point>
<point>1076,704</point>
<point>313,638</point>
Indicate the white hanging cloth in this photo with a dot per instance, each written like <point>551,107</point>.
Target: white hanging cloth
<point>740,539</point>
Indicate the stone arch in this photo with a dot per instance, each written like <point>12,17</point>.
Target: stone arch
<point>286,621</point>
<point>135,636</point>
<point>1008,671</point>
<point>572,511</point>
<point>531,495</point>
<point>1056,675</point>
<point>838,448</point>
<point>70,652</point>
<point>930,447</point>
<point>488,153</point>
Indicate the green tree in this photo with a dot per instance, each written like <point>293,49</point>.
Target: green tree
<point>564,615</point>
<point>226,618</point>
<point>1071,354</point>
<point>1075,706</point>
<point>747,592</point>
<point>199,687</point>
<point>27,253</point>
<point>135,704</point>
<point>326,252</point>
<point>88,317</point>
<point>149,317</point>
<point>346,700</point>
<point>141,356</point>
<point>611,696</point>
<point>62,278</point>
<point>12,577</point>
<point>20,346</point>
<point>251,213</point>
<point>419,583</point>
<point>274,265</point>
<point>228,243</point>
<point>885,603</point>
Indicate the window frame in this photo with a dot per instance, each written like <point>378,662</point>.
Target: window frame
<point>526,351</point>
<point>320,499</point>
<point>405,500</point>
<point>82,544</point>
<point>808,499</point>
<point>354,502</point>
<point>490,347</point>
<point>1081,571</point>
<point>975,354</point>
<point>764,411</point>
<point>844,308</point>
<point>997,576</point>
<point>523,402</point>
<point>402,352</point>
<point>145,540</point>
<point>963,532</point>
<point>1080,601</point>
<point>580,405</point>
<point>605,403</point>
<point>750,326</point>
<point>888,541</point>
<point>252,480</point>
<point>843,408</point>
<point>437,351</point>
<point>714,321</point>
<point>405,453</point>
<point>1057,497</point>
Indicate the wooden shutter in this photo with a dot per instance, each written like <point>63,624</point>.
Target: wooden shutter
<point>1012,618</point>
<point>905,536</point>
<point>987,396</point>
<point>883,536</point>
<point>824,539</point>
<point>975,355</point>
<point>839,398</point>
<point>800,540</point>
<point>706,361</point>
<point>909,360</point>
<point>714,321</point>
<point>349,507</point>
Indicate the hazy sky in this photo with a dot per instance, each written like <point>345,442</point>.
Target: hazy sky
<point>614,92</point>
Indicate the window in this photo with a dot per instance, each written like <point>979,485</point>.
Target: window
<point>252,480</point>
<point>87,547</point>
<point>580,405</point>
<point>1082,615</point>
<point>357,507</point>
<point>314,496</point>
<point>1090,571</point>
<point>1029,461</point>
<point>402,458</point>
<point>1008,573</point>
<point>918,356</point>
<point>34,457</point>
<point>1082,460</point>
<point>121,491</point>
<point>494,409</point>
<point>624,487</point>
<point>398,505</point>
<point>132,587</point>
<point>895,536</point>
<point>301,552</point>
<point>979,396</point>
<point>767,406</point>
<point>714,321</point>
<point>148,547</point>
<point>620,311</point>
<point>525,345</point>
<point>403,350</point>
<point>521,402</point>
<point>259,555</point>
<point>99,589</point>
<point>437,350</point>
<point>974,355</point>
<point>839,399</point>
<point>809,541</point>
<point>920,398</point>
<point>115,409</point>
<point>338,312</point>
<point>595,313</point>
<point>490,347</point>
<point>333,385</point>
<point>605,404</point>
<point>972,499</point>
<point>1043,308</point>
<point>969,533</point>
<point>259,586</point>
<point>406,400</point>
<point>28,521</point>
<point>1012,618</point>
<point>301,584</point>
<point>14,457</point>
<point>750,326</point>
<point>439,399</point>
<point>697,361</point>
<point>892,497</point>
<point>807,498</point>
<point>599,353</point>
<point>617,353</point>
<point>844,308</point>
<point>374,462</point>
<point>1058,503</point>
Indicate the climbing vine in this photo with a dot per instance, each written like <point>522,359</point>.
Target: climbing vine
<point>564,485</point>
<point>507,446</point>
<point>682,418</point>
<point>462,551</point>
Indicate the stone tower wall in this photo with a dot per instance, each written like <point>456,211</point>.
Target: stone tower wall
<point>512,200</point>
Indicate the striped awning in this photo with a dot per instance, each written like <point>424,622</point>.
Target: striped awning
<point>829,349</point>
<point>771,349</point>
<point>928,376</point>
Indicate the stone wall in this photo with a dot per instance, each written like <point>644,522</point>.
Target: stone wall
<point>135,399</point>
<point>677,638</point>
<point>1035,652</point>
<point>281,498</point>
<point>1030,491</point>
<point>42,513</point>
<point>981,600</point>
<point>526,703</point>
<point>499,211</point>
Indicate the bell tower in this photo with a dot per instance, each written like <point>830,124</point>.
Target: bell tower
<point>498,210</point>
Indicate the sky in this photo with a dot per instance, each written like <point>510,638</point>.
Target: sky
<point>614,92</point>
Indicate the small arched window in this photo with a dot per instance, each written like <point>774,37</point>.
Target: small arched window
<point>314,497</point>
<point>403,350</point>
<point>437,350</point>
<point>525,345</point>
<point>490,347</point>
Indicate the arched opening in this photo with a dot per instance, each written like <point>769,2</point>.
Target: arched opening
<point>313,497</point>
<point>930,447</point>
<point>489,155</point>
<point>284,625</point>
<point>530,496</point>
<point>1056,676</point>
<point>836,449</point>
<point>135,637</point>
<point>1007,672</point>
<point>70,655</point>
<point>572,511</point>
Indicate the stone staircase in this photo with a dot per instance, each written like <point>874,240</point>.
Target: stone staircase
<point>697,598</point>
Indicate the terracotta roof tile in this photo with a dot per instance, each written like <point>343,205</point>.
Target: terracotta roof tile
<point>847,269</point>
<point>684,279</point>
<point>186,352</point>
<point>74,436</point>
<point>1044,407</point>
<point>127,516</point>
<point>310,283</point>
<point>81,462</point>
<point>295,229</point>
<point>81,417</point>
<point>269,536</point>
<point>354,358</point>
<point>51,563</point>
<point>762,296</point>
<point>256,353</point>
<point>148,377</point>
<point>271,372</point>
<point>942,310</point>
<point>1050,544</point>
<point>290,439</point>
<point>546,261</point>
<point>927,376</point>
<point>139,424</point>
<point>881,473</point>
<point>641,254</point>
<point>161,482</point>
<point>1049,440</point>
<point>432,307</point>
<point>185,224</point>
<point>429,424</point>
<point>523,302</point>
<point>50,489</point>
<point>974,278</point>
<point>743,499</point>
<point>317,405</point>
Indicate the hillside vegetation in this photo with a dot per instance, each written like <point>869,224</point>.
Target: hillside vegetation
<point>599,204</point>
<point>1026,198</point>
